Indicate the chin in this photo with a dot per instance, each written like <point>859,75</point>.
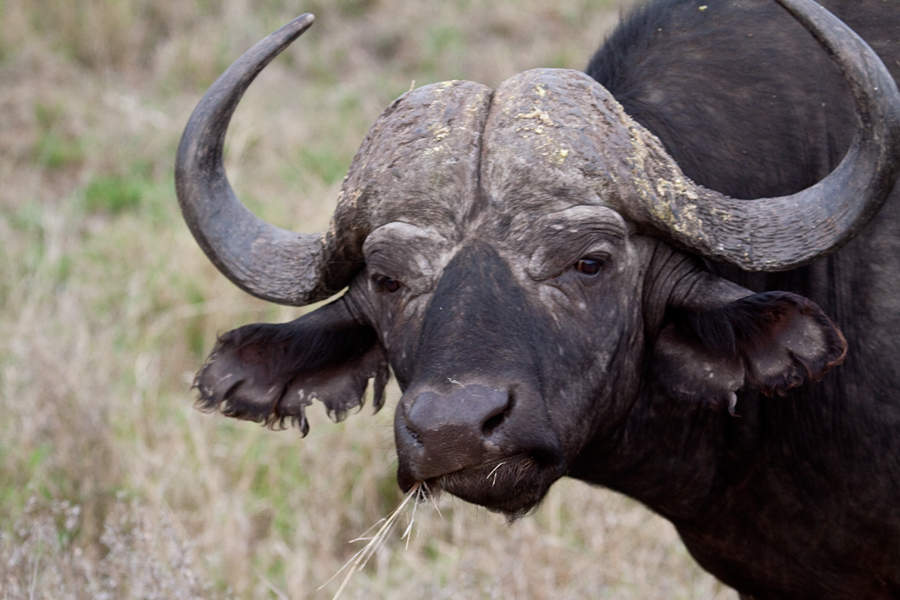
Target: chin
<point>511,486</point>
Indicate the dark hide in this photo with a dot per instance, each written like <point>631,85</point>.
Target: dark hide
<point>740,95</point>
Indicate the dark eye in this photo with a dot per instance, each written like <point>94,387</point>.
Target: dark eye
<point>386,284</point>
<point>589,266</point>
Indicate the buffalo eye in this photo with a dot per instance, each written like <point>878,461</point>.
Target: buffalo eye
<point>387,284</point>
<point>590,266</point>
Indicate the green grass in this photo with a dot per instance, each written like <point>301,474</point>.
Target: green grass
<point>55,151</point>
<point>111,484</point>
<point>113,194</point>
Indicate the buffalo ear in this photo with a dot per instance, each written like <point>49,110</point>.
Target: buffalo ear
<point>770,342</point>
<point>270,373</point>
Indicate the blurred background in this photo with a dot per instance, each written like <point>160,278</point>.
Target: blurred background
<point>111,484</point>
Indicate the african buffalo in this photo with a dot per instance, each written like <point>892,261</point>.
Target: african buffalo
<point>558,289</point>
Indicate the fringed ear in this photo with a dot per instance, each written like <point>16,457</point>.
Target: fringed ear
<point>771,342</point>
<point>270,373</point>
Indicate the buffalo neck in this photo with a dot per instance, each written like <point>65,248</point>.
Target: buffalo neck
<point>685,461</point>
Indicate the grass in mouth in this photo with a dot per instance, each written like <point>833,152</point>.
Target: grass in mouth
<point>376,541</point>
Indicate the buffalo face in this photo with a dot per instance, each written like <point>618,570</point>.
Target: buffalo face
<point>510,355</point>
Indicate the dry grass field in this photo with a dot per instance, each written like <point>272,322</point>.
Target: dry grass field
<point>111,485</point>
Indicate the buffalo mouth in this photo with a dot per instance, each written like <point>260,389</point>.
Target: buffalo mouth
<point>512,485</point>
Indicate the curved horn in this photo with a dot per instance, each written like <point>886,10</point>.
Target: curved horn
<point>266,261</point>
<point>773,234</point>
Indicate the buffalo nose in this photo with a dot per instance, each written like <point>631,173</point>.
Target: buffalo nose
<point>456,430</point>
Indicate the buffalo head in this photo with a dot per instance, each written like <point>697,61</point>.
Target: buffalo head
<point>525,261</point>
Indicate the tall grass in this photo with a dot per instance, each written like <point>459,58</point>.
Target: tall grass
<point>111,485</point>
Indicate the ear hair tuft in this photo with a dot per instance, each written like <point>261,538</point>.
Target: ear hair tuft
<point>270,373</point>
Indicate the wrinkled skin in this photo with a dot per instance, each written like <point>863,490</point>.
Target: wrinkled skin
<point>537,332</point>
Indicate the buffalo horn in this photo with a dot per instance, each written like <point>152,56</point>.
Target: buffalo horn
<point>775,234</point>
<point>266,261</point>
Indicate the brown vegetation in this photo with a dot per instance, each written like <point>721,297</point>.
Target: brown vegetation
<point>113,486</point>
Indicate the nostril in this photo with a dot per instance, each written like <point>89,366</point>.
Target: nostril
<point>491,424</point>
<point>498,415</point>
<point>413,435</point>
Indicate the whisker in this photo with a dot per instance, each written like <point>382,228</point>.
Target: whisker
<point>494,472</point>
<point>412,520</point>
<point>433,500</point>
